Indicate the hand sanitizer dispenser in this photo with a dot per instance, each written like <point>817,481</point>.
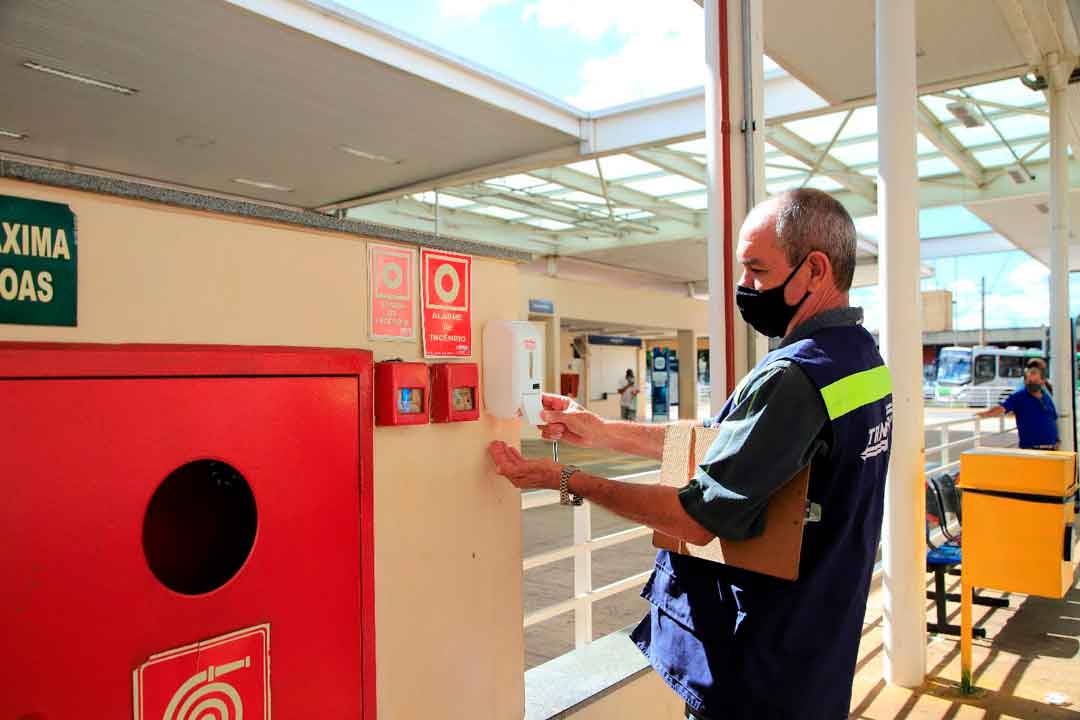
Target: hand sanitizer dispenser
<point>513,369</point>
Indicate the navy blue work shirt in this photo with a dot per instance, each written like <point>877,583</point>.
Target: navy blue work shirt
<point>1036,418</point>
<point>738,645</point>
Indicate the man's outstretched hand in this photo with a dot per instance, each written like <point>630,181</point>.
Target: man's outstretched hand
<point>568,421</point>
<point>524,474</point>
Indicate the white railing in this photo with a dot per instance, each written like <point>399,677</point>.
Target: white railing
<point>975,437</point>
<point>585,595</point>
<point>584,544</point>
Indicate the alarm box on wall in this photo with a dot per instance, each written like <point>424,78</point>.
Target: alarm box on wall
<point>455,392</point>
<point>401,393</point>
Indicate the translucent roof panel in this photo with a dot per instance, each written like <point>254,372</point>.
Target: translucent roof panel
<point>581,197</point>
<point>937,166</point>
<point>616,167</point>
<point>449,201</point>
<point>1023,126</point>
<point>860,154</point>
<point>666,185</point>
<point>822,182</point>
<point>695,147</point>
<point>499,212</point>
<point>1008,92</point>
<point>924,146</point>
<point>1002,156</point>
<point>937,105</point>
<point>695,202</point>
<point>975,136</point>
<point>778,187</point>
<point>553,225</point>
<point>863,122</point>
<point>781,169</point>
<point>774,156</point>
<point>817,130</point>
<point>517,182</point>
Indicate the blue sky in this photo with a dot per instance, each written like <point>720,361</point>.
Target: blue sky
<point>1017,290</point>
<point>592,54</point>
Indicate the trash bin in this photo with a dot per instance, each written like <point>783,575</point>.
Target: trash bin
<point>1018,520</point>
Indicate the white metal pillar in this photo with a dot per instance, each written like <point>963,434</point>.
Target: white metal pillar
<point>903,553</point>
<point>1060,336</point>
<point>734,118</point>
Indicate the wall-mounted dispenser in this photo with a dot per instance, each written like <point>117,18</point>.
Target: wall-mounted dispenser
<point>513,369</point>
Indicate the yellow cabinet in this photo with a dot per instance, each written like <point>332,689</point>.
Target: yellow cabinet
<point>1018,520</point>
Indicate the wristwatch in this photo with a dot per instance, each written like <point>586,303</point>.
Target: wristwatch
<point>565,496</point>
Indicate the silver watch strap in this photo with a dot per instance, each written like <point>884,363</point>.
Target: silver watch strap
<point>565,496</point>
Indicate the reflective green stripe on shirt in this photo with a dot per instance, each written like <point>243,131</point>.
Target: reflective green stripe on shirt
<point>854,391</point>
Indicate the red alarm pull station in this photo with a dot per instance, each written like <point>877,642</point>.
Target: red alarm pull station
<point>401,393</point>
<point>455,392</point>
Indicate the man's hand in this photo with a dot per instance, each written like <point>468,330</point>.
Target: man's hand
<point>524,474</point>
<point>566,420</point>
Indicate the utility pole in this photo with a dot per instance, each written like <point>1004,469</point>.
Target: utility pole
<point>982,311</point>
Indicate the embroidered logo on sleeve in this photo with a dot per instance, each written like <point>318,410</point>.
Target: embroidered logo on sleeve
<point>878,440</point>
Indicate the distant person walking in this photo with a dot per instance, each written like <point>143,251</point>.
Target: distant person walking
<point>628,397</point>
<point>1036,416</point>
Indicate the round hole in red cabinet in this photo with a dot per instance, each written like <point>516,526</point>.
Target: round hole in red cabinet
<point>199,527</point>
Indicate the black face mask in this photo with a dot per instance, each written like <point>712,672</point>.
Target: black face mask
<point>765,310</point>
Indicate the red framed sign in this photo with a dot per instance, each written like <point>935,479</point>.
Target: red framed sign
<point>392,273</point>
<point>446,306</point>
<point>227,675</point>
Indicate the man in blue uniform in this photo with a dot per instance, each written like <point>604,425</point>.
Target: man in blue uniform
<point>1036,416</point>
<point>732,643</point>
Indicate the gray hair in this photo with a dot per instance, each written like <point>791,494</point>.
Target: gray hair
<point>808,220</point>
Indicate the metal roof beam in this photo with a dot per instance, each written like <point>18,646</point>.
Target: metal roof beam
<point>619,194</point>
<point>417,215</point>
<point>1001,187</point>
<point>804,151</point>
<point>950,147</point>
<point>543,207</point>
<point>674,162</point>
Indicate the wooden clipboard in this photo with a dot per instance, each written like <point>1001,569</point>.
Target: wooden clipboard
<point>776,551</point>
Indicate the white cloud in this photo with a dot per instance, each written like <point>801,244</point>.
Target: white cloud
<point>964,287</point>
<point>663,46</point>
<point>1028,273</point>
<point>469,9</point>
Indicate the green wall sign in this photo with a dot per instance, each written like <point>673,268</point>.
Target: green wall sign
<point>38,263</point>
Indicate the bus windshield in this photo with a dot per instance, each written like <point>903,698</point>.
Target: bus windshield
<point>954,367</point>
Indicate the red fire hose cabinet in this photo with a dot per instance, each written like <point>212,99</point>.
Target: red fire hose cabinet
<point>186,532</point>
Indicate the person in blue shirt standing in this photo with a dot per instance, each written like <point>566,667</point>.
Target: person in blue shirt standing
<point>734,644</point>
<point>1036,416</point>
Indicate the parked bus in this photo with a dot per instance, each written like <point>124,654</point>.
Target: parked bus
<point>980,376</point>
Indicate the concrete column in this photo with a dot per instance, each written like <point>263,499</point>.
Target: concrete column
<point>717,268</point>
<point>687,350</point>
<point>1060,336</point>
<point>733,94</point>
<point>903,551</point>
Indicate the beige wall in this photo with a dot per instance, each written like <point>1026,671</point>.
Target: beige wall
<point>605,303</point>
<point>447,533</point>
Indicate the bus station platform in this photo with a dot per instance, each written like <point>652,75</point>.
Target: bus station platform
<point>1026,667</point>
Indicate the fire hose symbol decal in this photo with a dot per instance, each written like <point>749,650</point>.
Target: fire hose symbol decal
<point>204,696</point>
